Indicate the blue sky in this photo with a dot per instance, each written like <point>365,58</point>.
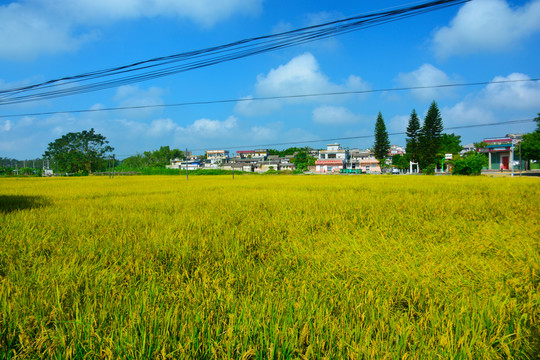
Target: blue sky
<point>482,40</point>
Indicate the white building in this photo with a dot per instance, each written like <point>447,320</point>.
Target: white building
<point>332,159</point>
<point>217,156</point>
<point>182,164</point>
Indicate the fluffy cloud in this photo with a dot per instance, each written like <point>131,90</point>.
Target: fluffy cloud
<point>334,115</point>
<point>301,75</point>
<point>496,98</point>
<point>513,95</point>
<point>5,125</point>
<point>426,75</point>
<point>132,95</point>
<point>487,25</point>
<point>36,27</point>
<point>30,33</point>
<point>466,113</point>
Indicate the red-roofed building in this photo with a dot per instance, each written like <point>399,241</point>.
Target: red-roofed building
<point>245,154</point>
<point>331,160</point>
<point>499,152</point>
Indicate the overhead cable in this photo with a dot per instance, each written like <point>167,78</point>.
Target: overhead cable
<point>277,97</point>
<point>191,60</point>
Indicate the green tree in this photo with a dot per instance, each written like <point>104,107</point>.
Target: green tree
<point>450,143</point>
<point>382,143</point>
<point>401,161</point>
<point>470,165</point>
<point>83,151</point>
<point>413,132</point>
<point>302,159</point>
<point>530,145</point>
<point>156,158</point>
<point>429,144</point>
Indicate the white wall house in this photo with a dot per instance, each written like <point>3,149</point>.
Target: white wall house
<point>332,159</point>
<point>217,156</point>
<point>181,164</point>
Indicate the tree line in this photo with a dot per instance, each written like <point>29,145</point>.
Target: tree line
<point>426,144</point>
<point>86,152</point>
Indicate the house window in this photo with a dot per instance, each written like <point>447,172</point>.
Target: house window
<point>331,156</point>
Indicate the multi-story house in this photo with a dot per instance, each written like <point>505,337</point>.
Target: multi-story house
<point>217,156</point>
<point>365,160</point>
<point>332,159</point>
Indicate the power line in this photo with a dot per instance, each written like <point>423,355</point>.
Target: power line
<point>209,102</point>
<point>261,146</point>
<point>191,60</point>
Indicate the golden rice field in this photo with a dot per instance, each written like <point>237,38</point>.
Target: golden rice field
<point>270,267</point>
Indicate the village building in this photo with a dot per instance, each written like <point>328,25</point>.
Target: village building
<point>182,164</point>
<point>217,156</point>
<point>396,150</point>
<point>500,151</point>
<point>332,159</point>
<point>260,153</point>
<point>364,160</point>
<point>245,154</point>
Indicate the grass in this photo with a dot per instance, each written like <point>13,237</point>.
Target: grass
<point>270,267</point>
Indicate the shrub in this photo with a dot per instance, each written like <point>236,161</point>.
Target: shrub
<point>470,165</point>
<point>429,170</point>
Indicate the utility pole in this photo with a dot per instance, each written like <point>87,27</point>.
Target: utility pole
<point>520,166</point>
<point>512,157</point>
<point>187,166</point>
<point>113,166</point>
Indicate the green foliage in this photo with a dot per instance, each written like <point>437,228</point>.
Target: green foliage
<point>382,143</point>
<point>413,133</point>
<point>401,161</point>
<point>480,145</point>
<point>470,165</point>
<point>429,170</point>
<point>303,160</point>
<point>450,143</point>
<point>6,170</point>
<point>79,152</point>
<point>530,146</point>
<point>157,158</point>
<point>430,137</point>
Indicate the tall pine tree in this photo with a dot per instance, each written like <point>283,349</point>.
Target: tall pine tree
<point>413,132</point>
<point>382,143</point>
<point>429,144</point>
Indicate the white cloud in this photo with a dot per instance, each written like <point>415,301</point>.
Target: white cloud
<point>161,127</point>
<point>207,128</point>
<point>398,123</point>
<point>203,12</point>
<point>426,75</point>
<point>33,32</point>
<point>334,115</point>
<point>466,113</point>
<point>36,27</point>
<point>496,100</point>
<point>514,95</point>
<point>487,25</point>
<point>322,17</point>
<point>301,75</point>
<point>132,95</point>
<point>6,126</point>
